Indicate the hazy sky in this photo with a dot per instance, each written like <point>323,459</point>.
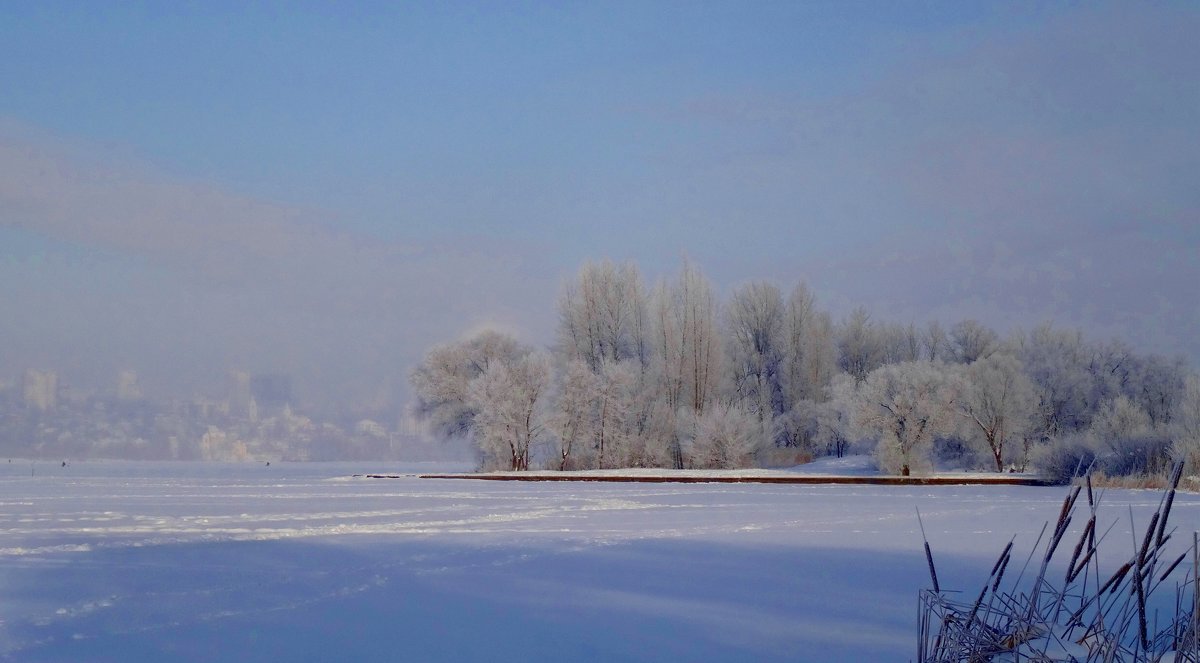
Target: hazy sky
<point>326,190</point>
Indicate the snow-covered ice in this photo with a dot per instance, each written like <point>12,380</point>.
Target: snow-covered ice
<point>146,561</point>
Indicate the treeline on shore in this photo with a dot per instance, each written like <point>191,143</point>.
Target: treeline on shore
<point>671,376</point>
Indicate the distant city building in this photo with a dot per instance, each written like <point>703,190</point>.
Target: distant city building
<point>128,388</point>
<point>41,389</point>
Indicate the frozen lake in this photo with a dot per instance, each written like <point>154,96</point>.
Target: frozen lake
<point>198,561</point>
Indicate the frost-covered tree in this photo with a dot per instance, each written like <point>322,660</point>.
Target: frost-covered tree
<point>657,439</point>
<point>667,356</point>
<point>900,343</point>
<point>1124,441</point>
<point>1185,426</point>
<point>1117,421</point>
<point>635,374</point>
<point>602,315</point>
<point>971,341</point>
<point>723,436</point>
<point>798,314</point>
<point>573,423</point>
<point>608,419</point>
<point>1157,385</point>
<point>442,378</point>
<point>833,427</point>
<point>796,428</point>
<point>665,387</point>
<point>754,332</point>
<point>1111,366</point>
<point>702,351</point>
<point>810,349</point>
<point>905,406</point>
<point>1153,382</point>
<point>998,402</point>
<point>935,342</point>
<point>615,430</point>
<point>686,343</point>
<point>821,353</point>
<point>509,401</point>
<point>1058,363</point>
<point>860,349</point>
<point>818,427</point>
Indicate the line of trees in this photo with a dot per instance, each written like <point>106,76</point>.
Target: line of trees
<point>671,376</point>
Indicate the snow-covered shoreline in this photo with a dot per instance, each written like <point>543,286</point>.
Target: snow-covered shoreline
<point>845,470</point>
<point>740,476</point>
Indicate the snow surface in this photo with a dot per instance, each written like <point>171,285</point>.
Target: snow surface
<point>204,561</point>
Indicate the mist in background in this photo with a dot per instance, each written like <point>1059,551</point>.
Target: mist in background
<point>190,194</point>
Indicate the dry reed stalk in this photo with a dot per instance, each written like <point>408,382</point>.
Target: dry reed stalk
<point>1123,628</point>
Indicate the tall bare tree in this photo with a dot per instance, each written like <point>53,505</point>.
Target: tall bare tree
<point>574,420</point>
<point>1057,361</point>
<point>686,339</point>
<point>970,340</point>
<point>754,326</point>
<point>616,430</point>
<point>900,343</point>
<point>935,342</point>
<point>810,349</point>
<point>860,349</point>
<point>602,315</point>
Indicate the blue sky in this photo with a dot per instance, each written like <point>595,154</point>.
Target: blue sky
<point>326,190</point>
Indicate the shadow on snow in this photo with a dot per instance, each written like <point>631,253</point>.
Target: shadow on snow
<point>382,598</point>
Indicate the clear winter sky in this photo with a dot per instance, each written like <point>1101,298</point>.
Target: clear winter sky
<point>328,189</point>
